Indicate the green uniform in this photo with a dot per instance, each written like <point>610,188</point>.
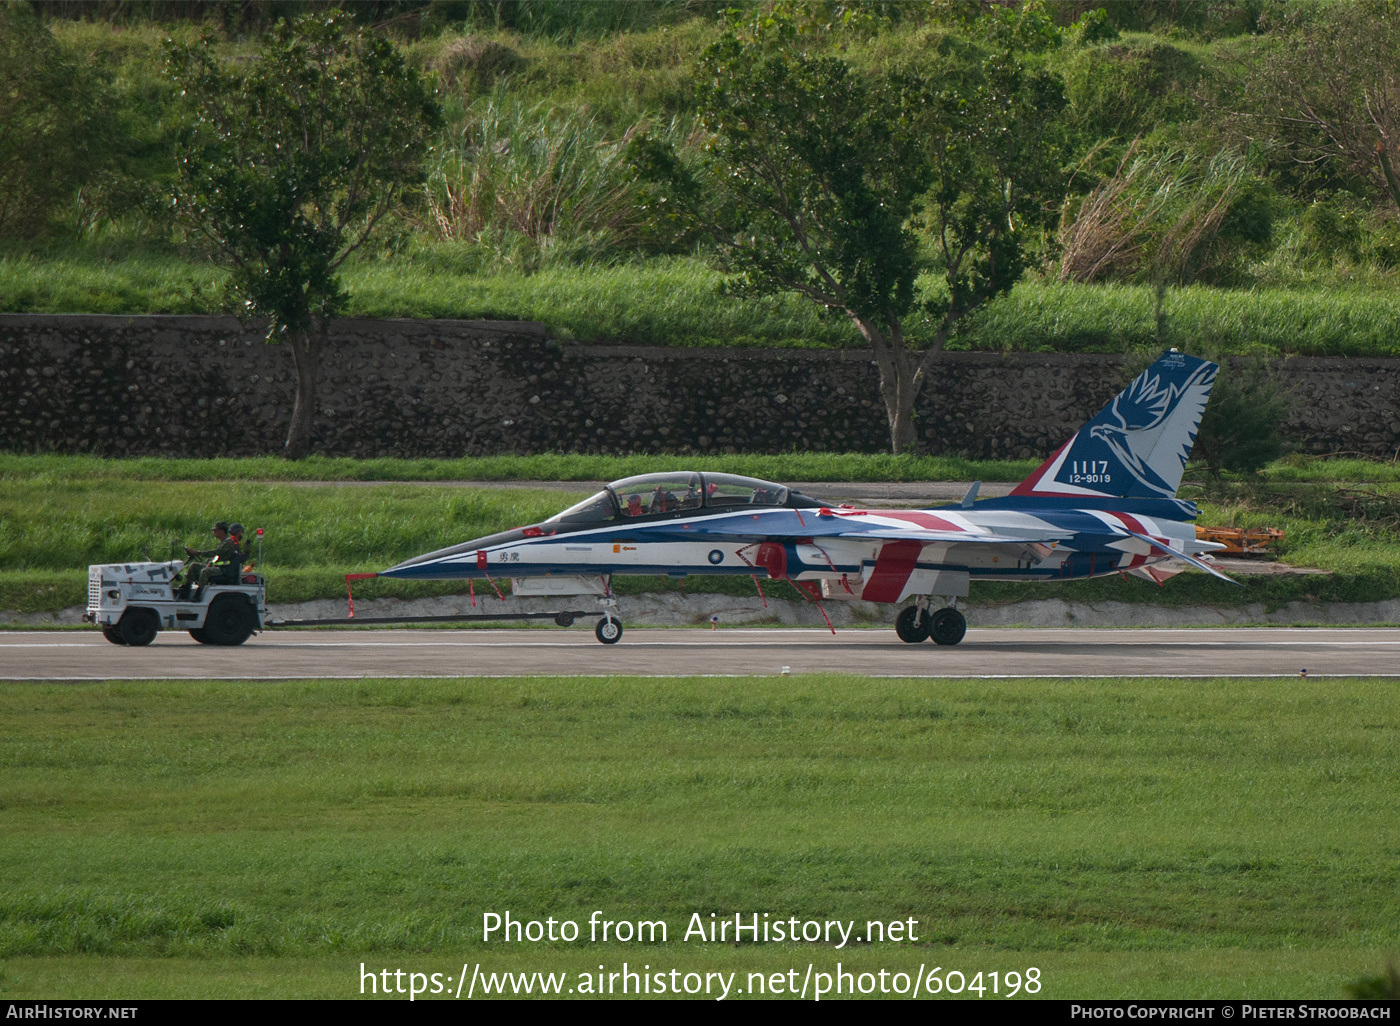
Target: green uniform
<point>224,561</point>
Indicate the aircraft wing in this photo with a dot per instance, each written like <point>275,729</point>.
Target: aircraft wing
<point>960,537</point>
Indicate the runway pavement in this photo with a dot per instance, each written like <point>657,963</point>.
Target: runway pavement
<point>85,655</point>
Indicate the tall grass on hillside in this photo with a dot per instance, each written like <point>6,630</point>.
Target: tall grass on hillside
<point>1171,215</point>
<point>661,301</point>
<point>534,178</point>
<point>673,301</point>
<point>1110,318</point>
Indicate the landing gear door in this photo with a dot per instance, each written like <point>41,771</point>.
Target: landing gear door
<point>945,583</point>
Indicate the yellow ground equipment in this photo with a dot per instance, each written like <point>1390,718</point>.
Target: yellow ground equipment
<point>1241,541</point>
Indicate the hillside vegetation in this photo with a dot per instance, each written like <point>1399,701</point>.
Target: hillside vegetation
<point>531,208</point>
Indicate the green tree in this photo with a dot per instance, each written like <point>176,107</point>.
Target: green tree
<point>290,162</point>
<point>51,116</point>
<point>817,180</point>
<point>1329,91</point>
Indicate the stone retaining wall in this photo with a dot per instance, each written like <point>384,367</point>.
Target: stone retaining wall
<point>208,386</point>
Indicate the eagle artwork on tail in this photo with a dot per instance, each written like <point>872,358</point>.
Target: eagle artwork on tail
<point>1140,428</point>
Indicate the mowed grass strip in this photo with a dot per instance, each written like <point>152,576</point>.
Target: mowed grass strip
<point>52,526</point>
<point>786,467</point>
<point>323,819</point>
<point>840,467</point>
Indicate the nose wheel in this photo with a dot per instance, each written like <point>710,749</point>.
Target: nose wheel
<point>609,630</point>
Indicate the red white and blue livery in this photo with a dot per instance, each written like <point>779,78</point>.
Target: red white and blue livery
<point>1104,503</point>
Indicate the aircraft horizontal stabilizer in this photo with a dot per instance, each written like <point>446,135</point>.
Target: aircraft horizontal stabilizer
<point>1199,564</point>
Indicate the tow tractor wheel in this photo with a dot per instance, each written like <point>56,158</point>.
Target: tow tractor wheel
<point>113,635</point>
<point>230,621</point>
<point>198,634</point>
<point>947,626</point>
<point>609,631</point>
<point>912,625</point>
<point>138,627</point>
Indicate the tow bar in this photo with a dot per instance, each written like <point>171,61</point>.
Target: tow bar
<point>564,618</point>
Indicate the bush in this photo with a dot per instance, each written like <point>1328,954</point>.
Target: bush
<point>1239,431</point>
<point>1332,228</point>
<point>1124,91</point>
<point>474,65</point>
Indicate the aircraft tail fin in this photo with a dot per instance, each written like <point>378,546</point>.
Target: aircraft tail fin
<point>1137,445</point>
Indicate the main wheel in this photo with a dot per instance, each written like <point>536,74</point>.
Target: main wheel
<point>138,626</point>
<point>198,634</point>
<point>114,635</point>
<point>609,631</point>
<point>230,621</point>
<point>947,626</point>
<point>912,625</point>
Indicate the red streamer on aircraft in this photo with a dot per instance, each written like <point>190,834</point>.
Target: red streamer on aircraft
<point>740,553</point>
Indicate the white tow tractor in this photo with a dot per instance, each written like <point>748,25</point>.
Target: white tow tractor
<point>133,602</point>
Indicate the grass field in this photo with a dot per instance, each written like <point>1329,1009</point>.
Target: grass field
<point>795,466</point>
<point>60,514</point>
<point>1137,838</point>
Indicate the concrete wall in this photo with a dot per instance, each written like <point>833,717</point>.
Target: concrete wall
<point>209,386</point>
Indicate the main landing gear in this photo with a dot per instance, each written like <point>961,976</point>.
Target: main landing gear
<point>915,623</point>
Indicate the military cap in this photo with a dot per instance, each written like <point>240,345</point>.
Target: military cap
<point>221,525</point>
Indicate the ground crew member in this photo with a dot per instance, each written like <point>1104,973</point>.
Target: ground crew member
<point>222,567</point>
<point>245,548</point>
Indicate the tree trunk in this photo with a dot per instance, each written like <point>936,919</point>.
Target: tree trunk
<point>306,357</point>
<point>901,379</point>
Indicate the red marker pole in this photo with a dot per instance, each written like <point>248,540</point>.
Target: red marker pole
<point>349,593</point>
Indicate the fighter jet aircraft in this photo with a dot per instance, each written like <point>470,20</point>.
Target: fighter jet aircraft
<point>1104,503</point>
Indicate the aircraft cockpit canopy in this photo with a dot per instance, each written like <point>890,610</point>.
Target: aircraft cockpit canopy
<point>677,492</point>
